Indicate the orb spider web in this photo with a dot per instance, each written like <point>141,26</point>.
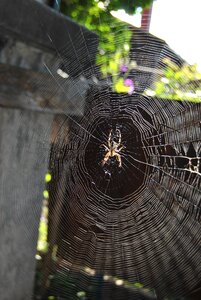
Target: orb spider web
<point>122,232</point>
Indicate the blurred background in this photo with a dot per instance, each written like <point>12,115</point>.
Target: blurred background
<point>86,86</point>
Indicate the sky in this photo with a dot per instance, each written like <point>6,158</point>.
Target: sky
<point>178,22</point>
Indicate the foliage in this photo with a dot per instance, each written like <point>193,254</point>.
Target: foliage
<point>178,83</point>
<point>121,81</point>
<point>95,15</point>
<point>174,82</point>
<point>43,226</point>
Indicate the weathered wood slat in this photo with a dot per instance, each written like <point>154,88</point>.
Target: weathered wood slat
<point>26,89</point>
<point>23,164</point>
<point>31,34</point>
<point>19,54</point>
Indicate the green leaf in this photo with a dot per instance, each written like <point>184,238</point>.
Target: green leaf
<point>48,177</point>
<point>46,194</point>
<point>119,86</point>
<point>138,285</point>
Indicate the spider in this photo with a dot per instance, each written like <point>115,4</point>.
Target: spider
<point>113,147</point>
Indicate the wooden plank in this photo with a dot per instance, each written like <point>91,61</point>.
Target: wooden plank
<point>26,89</point>
<point>23,164</point>
<point>32,22</point>
<point>19,54</point>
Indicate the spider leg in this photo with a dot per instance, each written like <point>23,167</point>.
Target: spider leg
<point>109,139</point>
<point>119,139</point>
<point>118,150</point>
<point>118,157</point>
<point>106,147</point>
<point>106,157</point>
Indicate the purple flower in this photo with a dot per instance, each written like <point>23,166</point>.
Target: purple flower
<point>130,83</point>
<point>123,68</point>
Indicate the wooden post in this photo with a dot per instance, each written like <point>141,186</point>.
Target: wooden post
<point>146,18</point>
<point>33,40</point>
<point>27,89</point>
<point>24,148</point>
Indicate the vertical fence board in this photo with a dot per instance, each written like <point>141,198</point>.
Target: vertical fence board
<point>24,152</point>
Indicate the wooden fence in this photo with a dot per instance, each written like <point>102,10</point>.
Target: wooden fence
<point>31,36</point>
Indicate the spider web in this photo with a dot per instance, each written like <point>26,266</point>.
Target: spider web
<point>139,223</point>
